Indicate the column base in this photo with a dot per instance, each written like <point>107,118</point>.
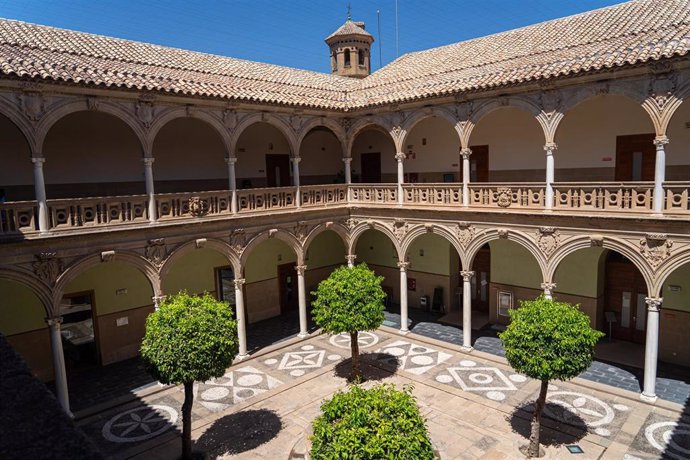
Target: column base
<point>242,357</point>
<point>403,331</point>
<point>648,398</point>
<point>466,349</point>
<point>303,335</point>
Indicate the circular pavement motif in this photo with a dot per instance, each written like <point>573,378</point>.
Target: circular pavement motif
<point>139,424</point>
<point>495,395</point>
<point>602,431</point>
<point>365,340</point>
<point>395,351</point>
<point>271,361</point>
<point>671,438</point>
<point>444,378</point>
<point>215,393</point>
<point>422,360</point>
<point>517,378</point>
<point>621,407</point>
<point>481,379</point>
<point>297,373</point>
<point>249,380</point>
<point>593,411</point>
<point>308,347</point>
<point>334,357</point>
<point>467,363</point>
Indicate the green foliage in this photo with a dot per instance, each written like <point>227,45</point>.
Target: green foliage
<point>190,338</point>
<point>549,340</point>
<point>350,300</point>
<point>381,422</point>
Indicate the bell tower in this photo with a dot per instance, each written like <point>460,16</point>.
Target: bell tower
<point>350,49</point>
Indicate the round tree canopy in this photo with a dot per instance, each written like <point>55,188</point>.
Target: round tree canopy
<point>190,338</point>
<point>549,340</point>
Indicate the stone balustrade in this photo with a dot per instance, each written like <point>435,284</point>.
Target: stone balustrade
<point>20,217</point>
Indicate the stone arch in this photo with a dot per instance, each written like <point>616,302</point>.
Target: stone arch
<point>273,120</point>
<point>14,114</point>
<point>484,108</point>
<point>219,246</point>
<point>511,235</point>
<point>29,280</point>
<point>335,127</point>
<point>424,229</point>
<point>586,241</point>
<point>319,229</point>
<point>85,263</point>
<point>67,107</point>
<point>429,112</point>
<point>278,233</point>
<point>371,121</point>
<point>173,113</point>
<point>374,225</point>
<point>666,269</point>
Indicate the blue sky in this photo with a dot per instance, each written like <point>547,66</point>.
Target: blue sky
<point>291,32</point>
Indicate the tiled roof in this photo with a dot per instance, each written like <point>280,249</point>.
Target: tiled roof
<point>350,28</point>
<point>625,34</point>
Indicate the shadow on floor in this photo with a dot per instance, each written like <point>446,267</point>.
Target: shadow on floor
<point>552,433</point>
<point>239,432</point>
<point>371,366</point>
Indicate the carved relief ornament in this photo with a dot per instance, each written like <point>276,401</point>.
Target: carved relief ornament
<point>155,251</point>
<point>47,267</point>
<point>655,247</point>
<point>465,233</point>
<point>548,240</point>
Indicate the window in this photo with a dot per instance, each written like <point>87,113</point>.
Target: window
<point>225,282</point>
<point>347,58</point>
<point>361,57</point>
<point>505,302</point>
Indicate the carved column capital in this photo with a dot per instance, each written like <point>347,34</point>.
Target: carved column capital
<point>239,282</point>
<point>351,258</point>
<point>660,142</point>
<point>55,321</point>
<point>347,160</point>
<point>653,303</point>
<point>549,147</point>
<point>403,266</point>
<point>400,156</point>
<point>231,160</point>
<point>548,287</point>
<point>38,161</point>
<point>300,269</point>
<point>296,159</point>
<point>148,161</point>
<point>467,275</point>
<point>465,153</point>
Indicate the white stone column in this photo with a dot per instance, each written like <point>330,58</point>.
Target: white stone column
<point>232,183</point>
<point>351,260</point>
<point>548,290</point>
<point>399,157</point>
<point>550,174</point>
<point>403,296</point>
<point>241,321</point>
<point>651,348</point>
<point>659,174</point>
<point>295,178</point>
<point>157,301</point>
<point>302,296</point>
<point>467,309</point>
<point>465,154</point>
<point>150,192</point>
<point>59,363</point>
<point>40,191</point>
<point>348,170</point>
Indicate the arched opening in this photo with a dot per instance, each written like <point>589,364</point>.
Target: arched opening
<point>674,318</point>
<point>22,322</point>
<point>376,249</point>
<point>263,157</point>
<point>92,154</point>
<point>620,148</point>
<point>361,54</point>
<point>325,253</point>
<point>347,58</point>
<point>321,154</point>
<point>104,310</point>
<point>678,148</point>
<point>507,146</point>
<point>432,148</point>
<point>16,176</point>
<point>373,156</point>
<point>189,156</point>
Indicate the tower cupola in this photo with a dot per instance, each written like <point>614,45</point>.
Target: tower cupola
<point>350,50</point>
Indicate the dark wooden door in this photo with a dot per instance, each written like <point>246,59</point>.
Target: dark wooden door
<point>635,157</point>
<point>277,170</point>
<point>481,279</point>
<point>371,168</point>
<point>479,164</point>
<point>287,280</point>
<point>625,297</point>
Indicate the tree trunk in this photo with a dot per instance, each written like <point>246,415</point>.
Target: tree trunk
<point>354,345</point>
<point>187,420</point>
<point>533,449</point>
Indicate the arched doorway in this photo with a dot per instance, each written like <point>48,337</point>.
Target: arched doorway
<point>321,154</point>
<point>373,156</point>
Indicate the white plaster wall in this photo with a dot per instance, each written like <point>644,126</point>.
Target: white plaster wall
<point>321,154</point>
<point>252,147</point>
<point>441,152</point>
<point>678,149</point>
<point>86,147</point>
<point>188,149</point>
<point>370,141</point>
<point>15,154</point>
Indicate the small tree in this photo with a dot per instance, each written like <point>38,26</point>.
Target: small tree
<point>350,300</point>
<point>381,422</point>
<point>548,340</point>
<point>190,338</point>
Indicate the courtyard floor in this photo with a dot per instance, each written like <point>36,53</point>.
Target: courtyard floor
<point>474,404</point>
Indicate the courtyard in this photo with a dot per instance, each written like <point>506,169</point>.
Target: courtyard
<point>474,404</point>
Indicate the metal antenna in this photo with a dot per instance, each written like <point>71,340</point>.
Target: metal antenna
<point>378,18</point>
<point>349,11</point>
<point>397,33</point>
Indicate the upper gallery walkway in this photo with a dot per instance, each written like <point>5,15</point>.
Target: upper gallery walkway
<point>596,198</point>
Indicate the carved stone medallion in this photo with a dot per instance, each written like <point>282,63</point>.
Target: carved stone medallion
<point>548,240</point>
<point>198,207</point>
<point>504,197</point>
<point>238,240</point>
<point>465,233</point>
<point>47,267</point>
<point>655,247</point>
<point>155,251</point>
<point>400,227</point>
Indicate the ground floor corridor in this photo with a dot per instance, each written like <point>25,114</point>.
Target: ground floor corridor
<point>474,404</point>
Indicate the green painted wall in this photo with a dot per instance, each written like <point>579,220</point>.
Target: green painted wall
<point>579,273</point>
<point>194,272</point>
<point>514,265</point>
<point>20,309</point>
<point>325,250</point>
<point>374,248</point>
<point>265,258</point>
<point>437,254</point>
<point>105,279</point>
<point>677,300</point>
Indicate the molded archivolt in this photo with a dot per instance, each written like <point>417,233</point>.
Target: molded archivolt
<point>174,113</point>
<point>374,225</point>
<point>67,107</point>
<point>82,265</point>
<point>423,229</point>
<point>181,250</point>
<point>271,119</point>
<point>333,125</point>
<point>585,241</point>
<point>12,112</point>
<point>371,121</point>
<point>277,233</point>
<point>486,236</point>
<point>30,281</point>
<point>430,112</point>
<point>321,228</point>
<point>483,108</point>
<point>667,268</point>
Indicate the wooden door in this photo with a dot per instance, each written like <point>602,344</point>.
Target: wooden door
<point>625,296</point>
<point>479,164</point>
<point>635,157</point>
<point>481,279</point>
<point>277,170</point>
<point>371,168</point>
<point>287,280</point>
